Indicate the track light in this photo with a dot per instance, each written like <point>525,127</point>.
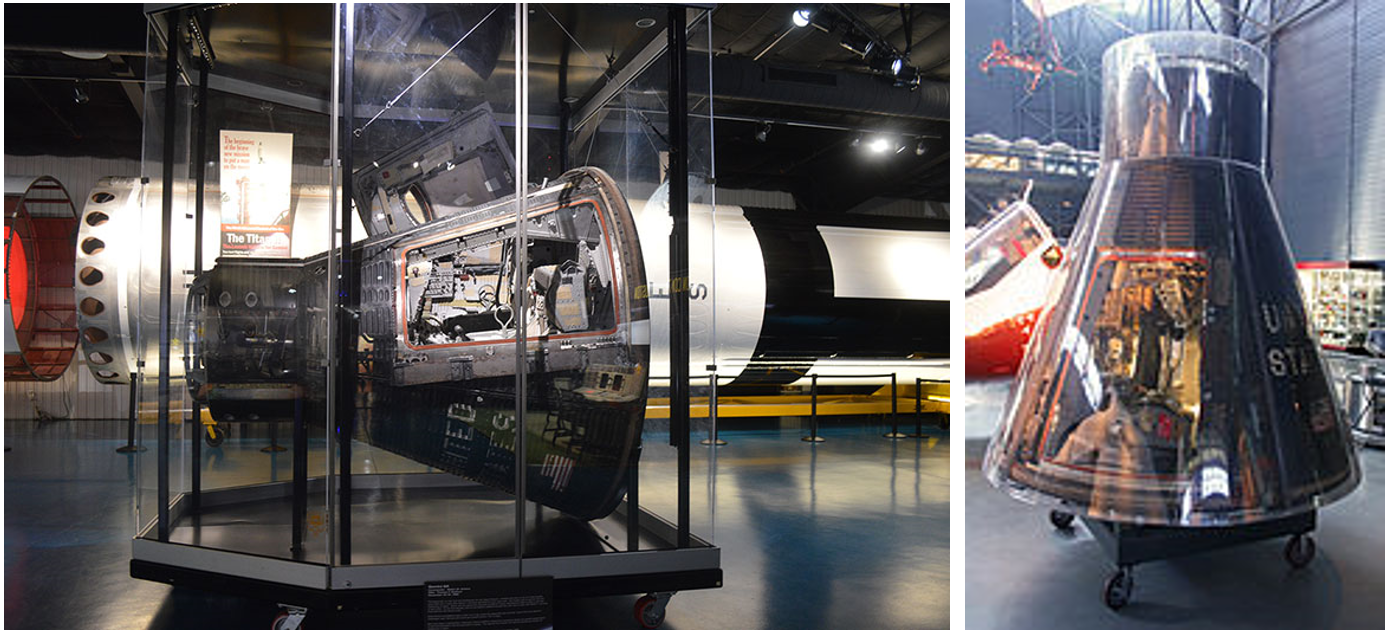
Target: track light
<point>801,17</point>
<point>857,43</point>
<point>762,134</point>
<point>79,92</point>
<point>922,148</point>
<point>879,145</point>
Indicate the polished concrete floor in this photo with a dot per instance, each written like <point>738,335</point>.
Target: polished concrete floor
<point>851,533</point>
<point>1022,573</point>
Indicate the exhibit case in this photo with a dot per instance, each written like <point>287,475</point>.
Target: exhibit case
<point>403,237</point>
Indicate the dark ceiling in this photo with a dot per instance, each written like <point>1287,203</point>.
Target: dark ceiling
<point>814,97</point>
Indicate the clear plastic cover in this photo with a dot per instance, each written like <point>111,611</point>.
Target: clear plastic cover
<point>1183,93</point>
<point>1173,380</point>
<point>461,371</point>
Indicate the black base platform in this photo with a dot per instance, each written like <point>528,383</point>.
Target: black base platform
<point>1129,544</point>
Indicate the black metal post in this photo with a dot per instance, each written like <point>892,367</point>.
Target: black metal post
<point>345,302</point>
<point>300,473</point>
<point>815,437</point>
<point>131,446</point>
<point>274,447</point>
<point>200,169</point>
<point>894,434</point>
<point>679,265</point>
<point>634,526</point>
<point>166,262</point>
<point>918,419</point>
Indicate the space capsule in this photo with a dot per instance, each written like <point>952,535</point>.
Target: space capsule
<point>1174,380</point>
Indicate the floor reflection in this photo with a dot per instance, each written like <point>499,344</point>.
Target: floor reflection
<point>851,533</point>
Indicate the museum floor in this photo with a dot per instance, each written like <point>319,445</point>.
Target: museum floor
<point>852,533</point>
<point>1021,573</point>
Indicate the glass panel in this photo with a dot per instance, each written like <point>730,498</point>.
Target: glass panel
<point>246,331</point>
<point>434,183</point>
<point>620,128</point>
<point>145,302</point>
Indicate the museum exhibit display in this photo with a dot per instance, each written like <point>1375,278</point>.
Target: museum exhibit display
<point>1173,396</point>
<point>41,327</point>
<point>456,331</point>
<point>1346,302</point>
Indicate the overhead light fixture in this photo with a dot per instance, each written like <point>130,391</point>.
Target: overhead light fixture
<point>646,23</point>
<point>922,148</point>
<point>762,134</point>
<point>79,92</point>
<point>879,145</point>
<point>801,17</point>
<point>571,99</point>
<point>857,43</point>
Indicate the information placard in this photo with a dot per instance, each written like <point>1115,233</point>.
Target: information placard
<point>255,179</point>
<point>502,603</point>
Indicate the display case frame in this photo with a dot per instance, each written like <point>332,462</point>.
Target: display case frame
<point>632,550</point>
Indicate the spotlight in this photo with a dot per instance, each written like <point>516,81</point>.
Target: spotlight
<point>879,145</point>
<point>762,134</point>
<point>896,66</point>
<point>79,92</point>
<point>801,17</point>
<point>922,148</point>
<point>907,76</point>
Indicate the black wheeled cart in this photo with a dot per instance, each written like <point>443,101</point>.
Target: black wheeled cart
<point>1128,544</point>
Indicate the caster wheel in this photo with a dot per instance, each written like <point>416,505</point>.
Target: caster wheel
<point>1060,519</point>
<point>648,613</point>
<point>1299,551</point>
<point>215,435</point>
<point>281,622</point>
<point>1118,589</point>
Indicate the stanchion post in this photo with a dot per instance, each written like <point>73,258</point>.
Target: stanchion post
<point>275,447</point>
<point>131,446</point>
<point>918,418</point>
<point>894,434</point>
<point>814,437</point>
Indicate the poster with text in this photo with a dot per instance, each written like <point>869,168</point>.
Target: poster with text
<point>255,177</point>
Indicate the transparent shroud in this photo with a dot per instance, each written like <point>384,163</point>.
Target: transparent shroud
<point>1174,380</point>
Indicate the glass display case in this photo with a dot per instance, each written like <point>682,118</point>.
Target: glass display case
<point>407,235</point>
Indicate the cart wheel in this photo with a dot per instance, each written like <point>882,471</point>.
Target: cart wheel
<point>216,433</point>
<point>648,613</point>
<point>1299,551</point>
<point>1118,589</point>
<point>1060,519</point>
<point>281,620</point>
